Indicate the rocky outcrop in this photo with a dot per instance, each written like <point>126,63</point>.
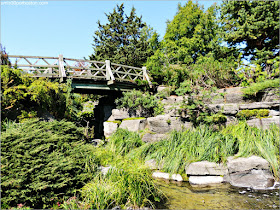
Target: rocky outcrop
<point>134,125</point>
<point>206,168</point>
<point>264,122</point>
<point>260,105</point>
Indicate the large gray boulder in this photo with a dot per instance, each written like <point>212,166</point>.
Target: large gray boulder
<point>206,168</point>
<point>245,164</point>
<point>118,114</point>
<point>252,172</point>
<point>264,122</point>
<point>164,123</point>
<point>134,125</point>
<point>260,105</point>
<point>109,128</point>
<point>255,179</point>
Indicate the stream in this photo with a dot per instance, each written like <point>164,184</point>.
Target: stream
<point>223,196</point>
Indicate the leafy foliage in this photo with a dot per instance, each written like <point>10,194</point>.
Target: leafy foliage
<point>22,93</point>
<point>124,39</point>
<point>140,104</point>
<point>43,161</point>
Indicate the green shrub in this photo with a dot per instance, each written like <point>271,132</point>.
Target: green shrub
<point>248,114</point>
<point>140,104</point>
<point>255,88</point>
<point>218,118</point>
<point>43,161</point>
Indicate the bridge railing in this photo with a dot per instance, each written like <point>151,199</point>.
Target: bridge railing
<point>59,67</point>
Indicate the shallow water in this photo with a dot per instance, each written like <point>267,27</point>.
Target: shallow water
<point>223,196</point>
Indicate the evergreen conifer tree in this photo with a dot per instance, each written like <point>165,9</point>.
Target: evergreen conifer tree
<point>123,40</point>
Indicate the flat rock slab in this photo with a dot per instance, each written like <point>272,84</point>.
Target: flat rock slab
<point>260,105</point>
<point>246,164</point>
<point>134,125</point>
<point>162,175</point>
<point>264,122</point>
<point>205,180</point>
<point>255,179</point>
<point>228,109</point>
<point>109,128</point>
<point>206,168</point>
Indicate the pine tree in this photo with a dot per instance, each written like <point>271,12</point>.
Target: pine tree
<point>122,40</point>
<point>255,24</point>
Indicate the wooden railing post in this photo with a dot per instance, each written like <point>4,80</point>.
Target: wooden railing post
<point>62,73</point>
<point>109,74</point>
<point>145,76</point>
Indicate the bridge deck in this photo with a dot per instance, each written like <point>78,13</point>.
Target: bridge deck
<point>86,75</point>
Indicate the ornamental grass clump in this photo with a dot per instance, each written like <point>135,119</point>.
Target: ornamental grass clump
<point>256,141</point>
<point>183,147</point>
<point>43,161</point>
<point>127,184</point>
<point>123,141</point>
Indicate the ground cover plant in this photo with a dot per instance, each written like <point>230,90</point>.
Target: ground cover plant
<point>43,161</point>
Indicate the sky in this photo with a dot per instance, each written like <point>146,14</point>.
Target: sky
<point>50,28</point>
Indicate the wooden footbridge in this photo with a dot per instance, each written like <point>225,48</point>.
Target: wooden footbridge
<point>87,76</point>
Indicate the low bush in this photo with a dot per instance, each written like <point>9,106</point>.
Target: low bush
<point>255,88</point>
<point>247,114</point>
<point>140,104</point>
<point>43,161</point>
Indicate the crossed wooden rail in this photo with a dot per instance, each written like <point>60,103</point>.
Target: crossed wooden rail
<point>59,67</point>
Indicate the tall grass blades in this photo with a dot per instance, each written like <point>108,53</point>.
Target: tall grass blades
<point>188,146</point>
<point>127,184</point>
<point>255,141</point>
<point>123,141</point>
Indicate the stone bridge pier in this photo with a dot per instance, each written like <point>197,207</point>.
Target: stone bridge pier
<point>103,111</point>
